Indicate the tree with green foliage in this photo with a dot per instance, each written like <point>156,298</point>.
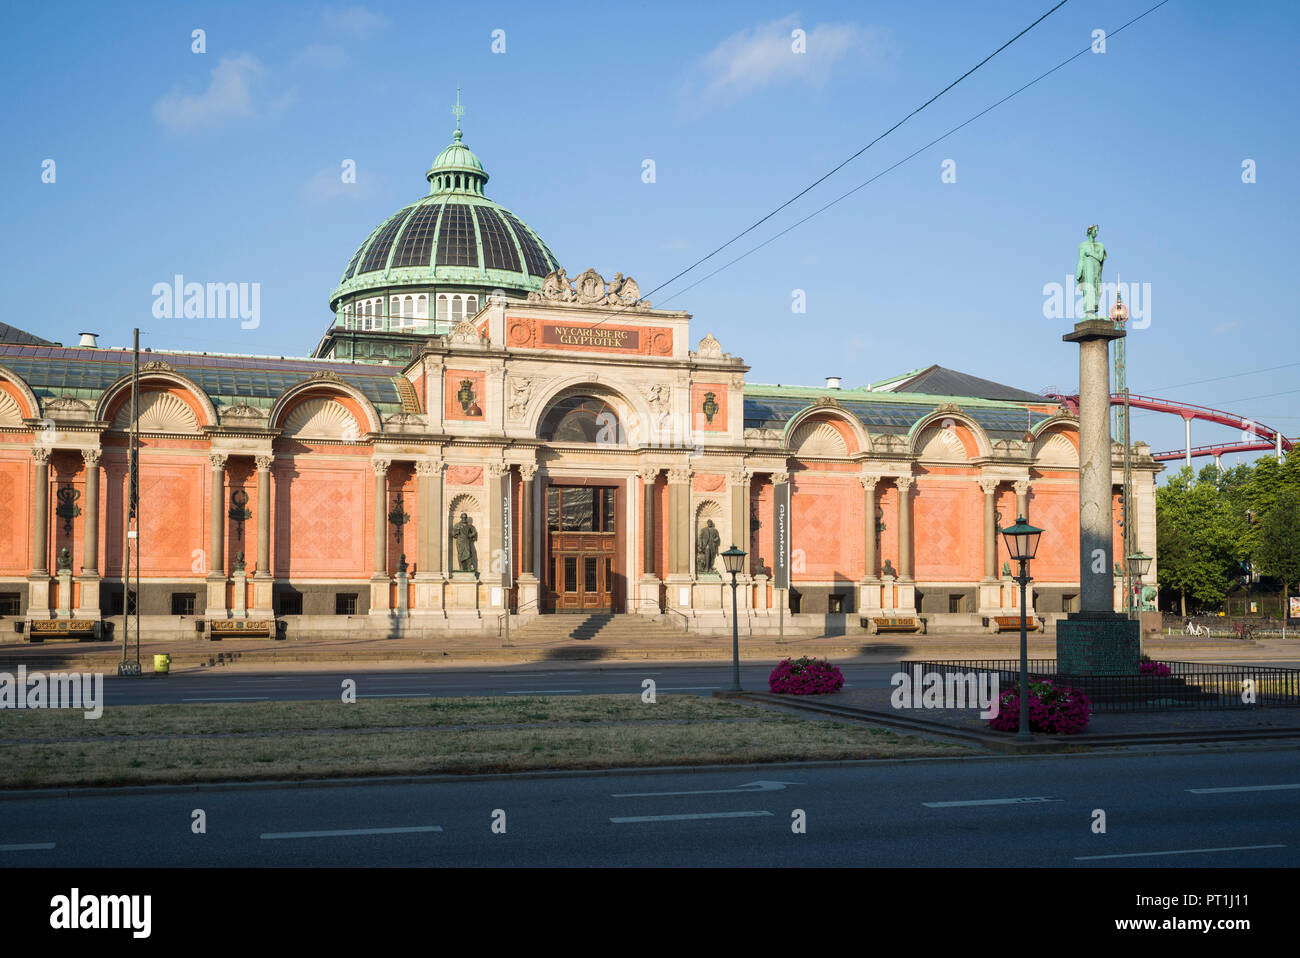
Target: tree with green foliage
<point>1278,552</point>
<point>1198,541</point>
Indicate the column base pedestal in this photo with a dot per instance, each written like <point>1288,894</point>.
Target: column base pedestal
<point>263,593</point>
<point>527,592</point>
<point>648,595</point>
<point>868,595</point>
<point>88,605</point>
<point>1098,643</point>
<point>380,588</point>
<point>429,592</point>
<point>216,607</point>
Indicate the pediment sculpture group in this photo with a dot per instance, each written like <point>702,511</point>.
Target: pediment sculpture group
<point>589,289</point>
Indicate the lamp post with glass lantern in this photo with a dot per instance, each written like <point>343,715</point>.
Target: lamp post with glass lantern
<point>1138,564</point>
<point>733,560</point>
<point>1022,543</point>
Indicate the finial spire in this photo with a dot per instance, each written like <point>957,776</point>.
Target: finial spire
<point>458,111</point>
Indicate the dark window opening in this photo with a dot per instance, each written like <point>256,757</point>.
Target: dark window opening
<point>835,604</point>
<point>11,603</point>
<point>115,603</point>
<point>289,602</point>
<point>579,509</point>
<point>956,603</point>
<point>183,603</point>
<point>796,600</point>
<point>582,419</point>
<point>345,603</point>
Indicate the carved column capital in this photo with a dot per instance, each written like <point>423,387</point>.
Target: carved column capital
<point>91,457</point>
<point>988,486</point>
<point>739,476</point>
<point>904,482</point>
<point>429,468</point>
<point>263,463</point>
<point>869,481</point>
<point>649,474</point>
<point>41,454</point>
<point>380,466</point>
<point>527,471</point>
<point>679,476</point>
<point>1021,486</point>
<point>780,477</point>
<point>495,470</point>
<point>218,460</point>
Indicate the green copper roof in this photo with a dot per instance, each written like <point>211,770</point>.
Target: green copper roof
<point>454,236</point>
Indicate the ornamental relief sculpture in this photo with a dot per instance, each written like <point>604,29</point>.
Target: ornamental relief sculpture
<point>589,289</point>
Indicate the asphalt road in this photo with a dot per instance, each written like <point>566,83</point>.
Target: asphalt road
<point>1180,810</point>
<point>219,686</point>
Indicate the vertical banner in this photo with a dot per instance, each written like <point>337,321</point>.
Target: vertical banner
<point>507,532</point>
<point>781,536</point>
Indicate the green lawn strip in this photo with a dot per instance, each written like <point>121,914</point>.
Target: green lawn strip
<point>391,752</point>
<point>235,717</point>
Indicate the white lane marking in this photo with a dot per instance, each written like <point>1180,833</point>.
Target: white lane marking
<point>392,695</point>
<point>1241,788</point>
<point>688,688</point>
<point>992,801</point>
<point>1184,851</point>
<point>686,818</point>
<point>542,691</point>
<point>32,847</point>
<point>228,698</point>
<point>747,787</point>
<point>343,832</point>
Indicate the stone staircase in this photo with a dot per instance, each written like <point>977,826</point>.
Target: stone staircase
<point>603,626</point>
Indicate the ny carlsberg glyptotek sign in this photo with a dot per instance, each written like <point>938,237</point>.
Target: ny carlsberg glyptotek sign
<point>781,536</point>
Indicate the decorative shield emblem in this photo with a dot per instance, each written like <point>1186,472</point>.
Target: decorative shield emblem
<point>465,396</point>
<point>710,407</point>
<point>67,508</point>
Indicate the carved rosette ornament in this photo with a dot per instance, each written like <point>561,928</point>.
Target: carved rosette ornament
<point>156,366</point>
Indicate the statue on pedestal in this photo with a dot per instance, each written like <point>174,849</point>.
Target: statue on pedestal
<point>465,535</point>
<point>706,548</point>
<point>1087,273</point>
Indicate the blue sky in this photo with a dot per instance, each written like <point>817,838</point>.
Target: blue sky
<point>224,167</point>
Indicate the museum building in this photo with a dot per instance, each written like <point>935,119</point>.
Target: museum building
<point>478,431</point>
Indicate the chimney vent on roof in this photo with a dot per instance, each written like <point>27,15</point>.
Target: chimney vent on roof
<point>88,340</point>
<point>832,382</point>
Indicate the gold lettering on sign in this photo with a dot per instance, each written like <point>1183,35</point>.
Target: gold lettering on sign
<point>591,337</point>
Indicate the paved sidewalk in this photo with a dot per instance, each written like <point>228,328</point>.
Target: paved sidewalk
<point>469,649</point>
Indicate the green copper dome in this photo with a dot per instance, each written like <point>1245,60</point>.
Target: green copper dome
<point>454,237</point>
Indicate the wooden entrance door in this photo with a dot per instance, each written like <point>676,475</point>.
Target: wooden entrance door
<point>583,572</point>
<point>581,548</point>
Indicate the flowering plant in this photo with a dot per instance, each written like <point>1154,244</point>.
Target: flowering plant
<point>805,676</point>
<point>1153,668</point>
<point>1052,708</point>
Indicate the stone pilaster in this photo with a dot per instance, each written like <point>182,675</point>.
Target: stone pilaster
<point>990,591</point>
<point>380,583</point>
<point>263,579</point>
<point>527,581</point>
<point>216,582</point>
<point>648,585</point>
<point>679,539</point>
<point>869,587</point>
<point>88,603</point>
<point>906,588</point>
<point>738,479</point>
<point>1022,498</point>
<point>429,579</point>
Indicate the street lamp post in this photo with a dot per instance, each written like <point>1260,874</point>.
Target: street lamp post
<point>733,560</point>
<point>1022,543</point>
<point>1138,564</point>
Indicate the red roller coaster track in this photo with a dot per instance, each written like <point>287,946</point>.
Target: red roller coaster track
<point>1263,438</point>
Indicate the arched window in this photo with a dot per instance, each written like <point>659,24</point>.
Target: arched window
<point>421,307</point>
<point>408,311</point>
<point>442,309</point>
<point>471,305</point>
<point>457,304</point>
<point>582,419</point>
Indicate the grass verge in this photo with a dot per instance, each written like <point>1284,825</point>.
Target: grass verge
<point>153,744</point>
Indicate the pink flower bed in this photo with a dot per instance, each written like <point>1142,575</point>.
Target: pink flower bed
<point>1052,709</point>
<point>805,676</point>
<point>1153,668</point>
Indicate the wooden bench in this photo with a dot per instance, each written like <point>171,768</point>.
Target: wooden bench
<point>38,630</point>
<point>1011,623</point>
<point>241,629</point>
<point>907,623</point>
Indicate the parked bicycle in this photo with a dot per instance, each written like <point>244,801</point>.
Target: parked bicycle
<point>1200,631</point>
